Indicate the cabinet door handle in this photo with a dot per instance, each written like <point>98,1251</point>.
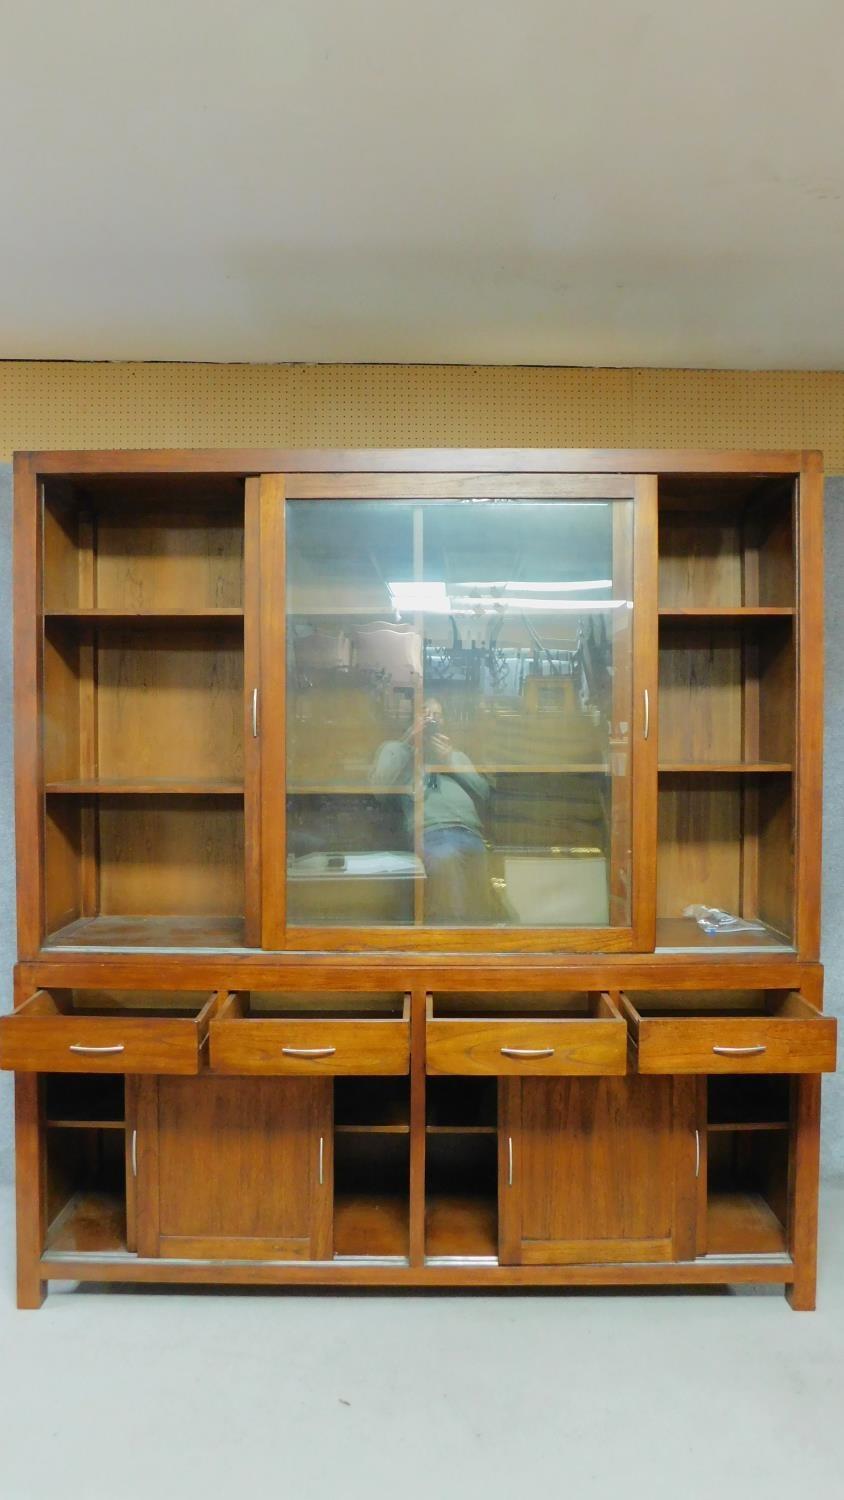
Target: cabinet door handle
<point>646,729</point>
<point>740,1051</point>
<point>309,1051</point>
<point>134,1153</point>
<point>78,1047</point>
<point>697,1153</point>
<point>322,1161</point>
<point>527,1051</point>
<point>509,1161</point>
<point>254,713</point>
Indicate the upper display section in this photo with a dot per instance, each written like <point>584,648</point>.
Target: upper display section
<point>458,712</point>
<point>447,703</point>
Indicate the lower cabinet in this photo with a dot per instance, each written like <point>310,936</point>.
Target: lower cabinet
<point>597,1170</point>
<point>234,1168</point>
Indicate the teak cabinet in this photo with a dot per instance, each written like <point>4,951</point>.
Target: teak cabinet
<point>368,805</point>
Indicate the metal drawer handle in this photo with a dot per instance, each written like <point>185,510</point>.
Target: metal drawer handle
<point>527,1051</point>
<point>740,1051</point>
<point>309,1051</point>
<point>78,1047</point>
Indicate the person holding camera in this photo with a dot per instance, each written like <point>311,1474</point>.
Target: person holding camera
<point>454,798</point>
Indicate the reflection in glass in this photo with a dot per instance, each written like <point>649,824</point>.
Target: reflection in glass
<point>459,681</point>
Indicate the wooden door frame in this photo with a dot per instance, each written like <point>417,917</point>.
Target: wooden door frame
<point>683,1239</point>
<point>143,1144</point>
<point>270,861</point>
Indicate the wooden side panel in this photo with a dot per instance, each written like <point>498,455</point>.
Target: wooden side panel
<point>272,710</point>
<point>809,781</point>
<point>31,1190</point>
<point>251,706</point>
<point>645,715</point>
<point>239,1168</point>
<point>596,1170</point>
<point>29,777</point>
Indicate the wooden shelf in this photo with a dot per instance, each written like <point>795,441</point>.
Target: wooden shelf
<point>557,768</point>
<point>92,1223</point>
<point>326,790</point>
<point>461,1130</point>
<point>719,1127</point>
<point>742,1223</point>
<point>387,1129</point>
<point>145,787</point>
<point>149,932</point>
<point>72,1124</point>
<point>726,767</point>
<point>146,616</point>
<point>683,933</point>
<point>371,1224</point>
<point>729,613</point>
<point>459,1225</point>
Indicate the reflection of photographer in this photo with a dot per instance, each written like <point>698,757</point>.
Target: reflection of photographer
<point>454,795</point>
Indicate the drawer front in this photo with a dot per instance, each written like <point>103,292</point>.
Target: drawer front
<point>526,1048</point>
<point>750,1044</point>
<point>97,1045</point>
<point>306,1048</point>
<point>40,1037</point>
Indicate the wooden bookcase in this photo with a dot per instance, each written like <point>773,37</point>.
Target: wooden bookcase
<point>361,801</point>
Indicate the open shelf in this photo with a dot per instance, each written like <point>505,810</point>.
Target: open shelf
<point>726,544</point>
<point>153,932</point>
<point>371,1194</point>
<point>461,1191</point>
<point>143,617</point>
<point>81,1101</point>
<point>747,1175</point>
<point>92,1223</point>
<point>740,1223</point>
<point>380,1105</point>
<point>728,613</point>
<point>683,935</point>
<point>462,1104</point>
<point>752,1103</point>
<point>144,787</point>
<point>726,768</point>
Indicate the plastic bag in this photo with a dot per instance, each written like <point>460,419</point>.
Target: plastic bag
<point>713,921</point>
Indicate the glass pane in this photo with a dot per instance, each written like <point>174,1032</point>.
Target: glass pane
<point>459,700</point>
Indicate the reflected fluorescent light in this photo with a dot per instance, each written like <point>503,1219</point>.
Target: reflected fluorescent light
<point>433,598</point>
<point>538,588</point>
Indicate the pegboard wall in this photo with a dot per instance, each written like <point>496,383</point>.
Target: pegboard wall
<point>46,404</point>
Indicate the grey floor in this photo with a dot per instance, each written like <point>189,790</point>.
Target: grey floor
<point>112,1395</point>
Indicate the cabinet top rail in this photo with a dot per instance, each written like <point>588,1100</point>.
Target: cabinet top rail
<point>420,460</point>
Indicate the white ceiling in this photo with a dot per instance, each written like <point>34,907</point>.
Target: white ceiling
<point>656,182</point>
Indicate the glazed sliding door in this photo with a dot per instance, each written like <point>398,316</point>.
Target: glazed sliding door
<point>455,736</point>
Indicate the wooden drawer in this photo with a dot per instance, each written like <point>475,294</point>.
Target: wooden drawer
<point>522,1035</point>
<point>312,1034</point>
<point>106,1031</point>
<point>775,1031</point>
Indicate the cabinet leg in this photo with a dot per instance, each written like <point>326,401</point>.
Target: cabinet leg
<point>31,1189</point>
<point>804,1172</point>
<point>31,1289</point>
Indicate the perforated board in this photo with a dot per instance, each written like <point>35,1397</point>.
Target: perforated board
<point>74,405</point>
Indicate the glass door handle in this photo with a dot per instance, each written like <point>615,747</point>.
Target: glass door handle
<point>254,713</point>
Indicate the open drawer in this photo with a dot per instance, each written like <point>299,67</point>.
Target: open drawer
<point>556,1035</point>
<point>305,1035</point>
<point>106,1031</point>
<point>742,1031</point>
